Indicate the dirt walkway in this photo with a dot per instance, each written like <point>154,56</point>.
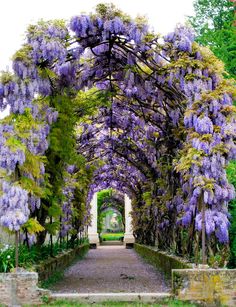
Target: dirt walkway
<point>111,269</point>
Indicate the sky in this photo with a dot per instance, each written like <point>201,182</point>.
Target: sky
<point>16,15</point>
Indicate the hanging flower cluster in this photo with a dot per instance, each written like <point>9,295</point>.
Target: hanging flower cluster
<point>14,211</point>
<point>9,157</point>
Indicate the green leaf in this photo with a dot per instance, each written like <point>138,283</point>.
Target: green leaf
<point>31,186</point>
<point>55,210</point>
<point>53,227</point>
<point>33,226</point>
<point>15,144</point>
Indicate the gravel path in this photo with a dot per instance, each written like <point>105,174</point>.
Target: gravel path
<point>111,269</point>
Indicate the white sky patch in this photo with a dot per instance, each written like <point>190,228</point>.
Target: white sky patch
<point>5,112</point>
<point>16,15</point>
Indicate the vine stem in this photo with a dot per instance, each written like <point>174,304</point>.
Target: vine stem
<point>17,250</point>
<point>203,233</point>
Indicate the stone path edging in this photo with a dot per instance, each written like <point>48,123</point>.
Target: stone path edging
<point>106,297</point>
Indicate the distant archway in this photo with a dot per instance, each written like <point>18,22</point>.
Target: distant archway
<point>93,229</point>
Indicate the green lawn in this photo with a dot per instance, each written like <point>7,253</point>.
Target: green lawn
<point>112,236</point>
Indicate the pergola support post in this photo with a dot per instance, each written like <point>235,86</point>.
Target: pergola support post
<point>128,236</point>
<point>92,229</point>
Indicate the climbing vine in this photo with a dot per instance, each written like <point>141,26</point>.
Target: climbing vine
<point>103,102</point>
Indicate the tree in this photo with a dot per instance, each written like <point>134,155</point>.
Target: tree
<point>214,23</point>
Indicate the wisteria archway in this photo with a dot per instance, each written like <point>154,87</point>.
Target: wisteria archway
<point>112,199</point>
<point>104,102</point>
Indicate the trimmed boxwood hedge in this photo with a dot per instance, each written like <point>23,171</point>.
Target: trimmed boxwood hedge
<point>161,260</point>
<point>58,263</point>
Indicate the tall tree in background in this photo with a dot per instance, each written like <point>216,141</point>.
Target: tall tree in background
<point>214,23</point>
<point>215,26</point>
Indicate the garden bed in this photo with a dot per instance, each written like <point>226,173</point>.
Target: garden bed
<point>48,267</point>
<point>29,257</point>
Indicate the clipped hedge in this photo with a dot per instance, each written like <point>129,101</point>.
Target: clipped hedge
<point>161,260</point>
<point>48,267</point>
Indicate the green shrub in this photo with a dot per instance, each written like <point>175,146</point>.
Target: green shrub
<point>28,257</point>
